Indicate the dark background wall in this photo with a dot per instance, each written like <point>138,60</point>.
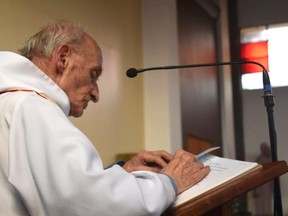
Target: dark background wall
<point>262,12</point>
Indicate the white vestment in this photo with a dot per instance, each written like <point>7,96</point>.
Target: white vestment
<point>49,167</point>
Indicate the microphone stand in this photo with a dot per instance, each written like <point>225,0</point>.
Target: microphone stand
<point>268,101</point>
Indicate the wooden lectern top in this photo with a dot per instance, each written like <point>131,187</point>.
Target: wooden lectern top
<point>230,190</point>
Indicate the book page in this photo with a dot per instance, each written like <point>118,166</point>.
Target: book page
<point>207,151</point>
<point>222,170</point>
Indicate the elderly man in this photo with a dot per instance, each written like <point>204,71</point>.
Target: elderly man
<point>47,166</point>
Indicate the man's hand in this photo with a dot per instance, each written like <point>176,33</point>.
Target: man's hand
<point>184,170</point>
<point>148,160</point>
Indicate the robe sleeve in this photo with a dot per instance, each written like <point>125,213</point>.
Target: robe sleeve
<point>57,170</point>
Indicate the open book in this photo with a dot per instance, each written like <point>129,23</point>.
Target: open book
<point>222,171</point>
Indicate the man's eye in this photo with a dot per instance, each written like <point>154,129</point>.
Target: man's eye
<point>95,74</point>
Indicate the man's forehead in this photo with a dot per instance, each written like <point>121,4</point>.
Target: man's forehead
<point>93,54</point>
<point>99,61</point>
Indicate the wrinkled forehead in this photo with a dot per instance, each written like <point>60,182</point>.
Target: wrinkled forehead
<point>93,52</point>
<point>98,59</point>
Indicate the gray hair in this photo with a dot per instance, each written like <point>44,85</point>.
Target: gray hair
<point>50,37</point>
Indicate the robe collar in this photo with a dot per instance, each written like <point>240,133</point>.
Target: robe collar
<point>18,72</point>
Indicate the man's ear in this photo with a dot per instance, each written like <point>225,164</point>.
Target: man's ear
<point>61,58</point>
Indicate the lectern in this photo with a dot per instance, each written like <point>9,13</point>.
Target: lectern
<point>211,202</point>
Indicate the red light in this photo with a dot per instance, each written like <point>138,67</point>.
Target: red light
<point>257,52</point>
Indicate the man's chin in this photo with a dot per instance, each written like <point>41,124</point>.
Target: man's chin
<point>76,114</point>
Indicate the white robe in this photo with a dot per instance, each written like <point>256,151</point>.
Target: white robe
<point>49,167</point>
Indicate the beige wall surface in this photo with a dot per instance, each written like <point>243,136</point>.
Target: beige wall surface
<point>115,123</point>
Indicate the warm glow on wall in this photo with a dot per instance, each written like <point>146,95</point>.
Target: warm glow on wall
<point>255,51</point>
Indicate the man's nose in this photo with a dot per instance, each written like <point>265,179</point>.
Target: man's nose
<point>94,93</point>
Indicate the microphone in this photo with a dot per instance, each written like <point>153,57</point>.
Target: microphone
<point>132,72</point>
<point>268,101</point>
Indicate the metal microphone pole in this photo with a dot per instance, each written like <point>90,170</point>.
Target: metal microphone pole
<point>269,103</point>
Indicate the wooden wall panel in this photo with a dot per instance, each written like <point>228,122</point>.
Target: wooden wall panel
<point>199,86</point>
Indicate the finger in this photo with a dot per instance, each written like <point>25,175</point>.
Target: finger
<point>178,153</point>
<point>155,160</point>
<point>184,154</point>
<point>193,178</point>
<point>200,174</point>
<point>165,155</point>
<point>186,161</point>
<point>196,166</point>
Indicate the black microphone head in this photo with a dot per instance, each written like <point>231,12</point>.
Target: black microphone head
<point>266,82</point>
<point>132,72</point>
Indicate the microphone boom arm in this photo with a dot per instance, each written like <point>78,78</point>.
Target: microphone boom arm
<point>200,65</point>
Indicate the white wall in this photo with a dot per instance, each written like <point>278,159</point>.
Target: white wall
<point>225,87</point>
<point>161,88</point>
<point>256,128</point>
